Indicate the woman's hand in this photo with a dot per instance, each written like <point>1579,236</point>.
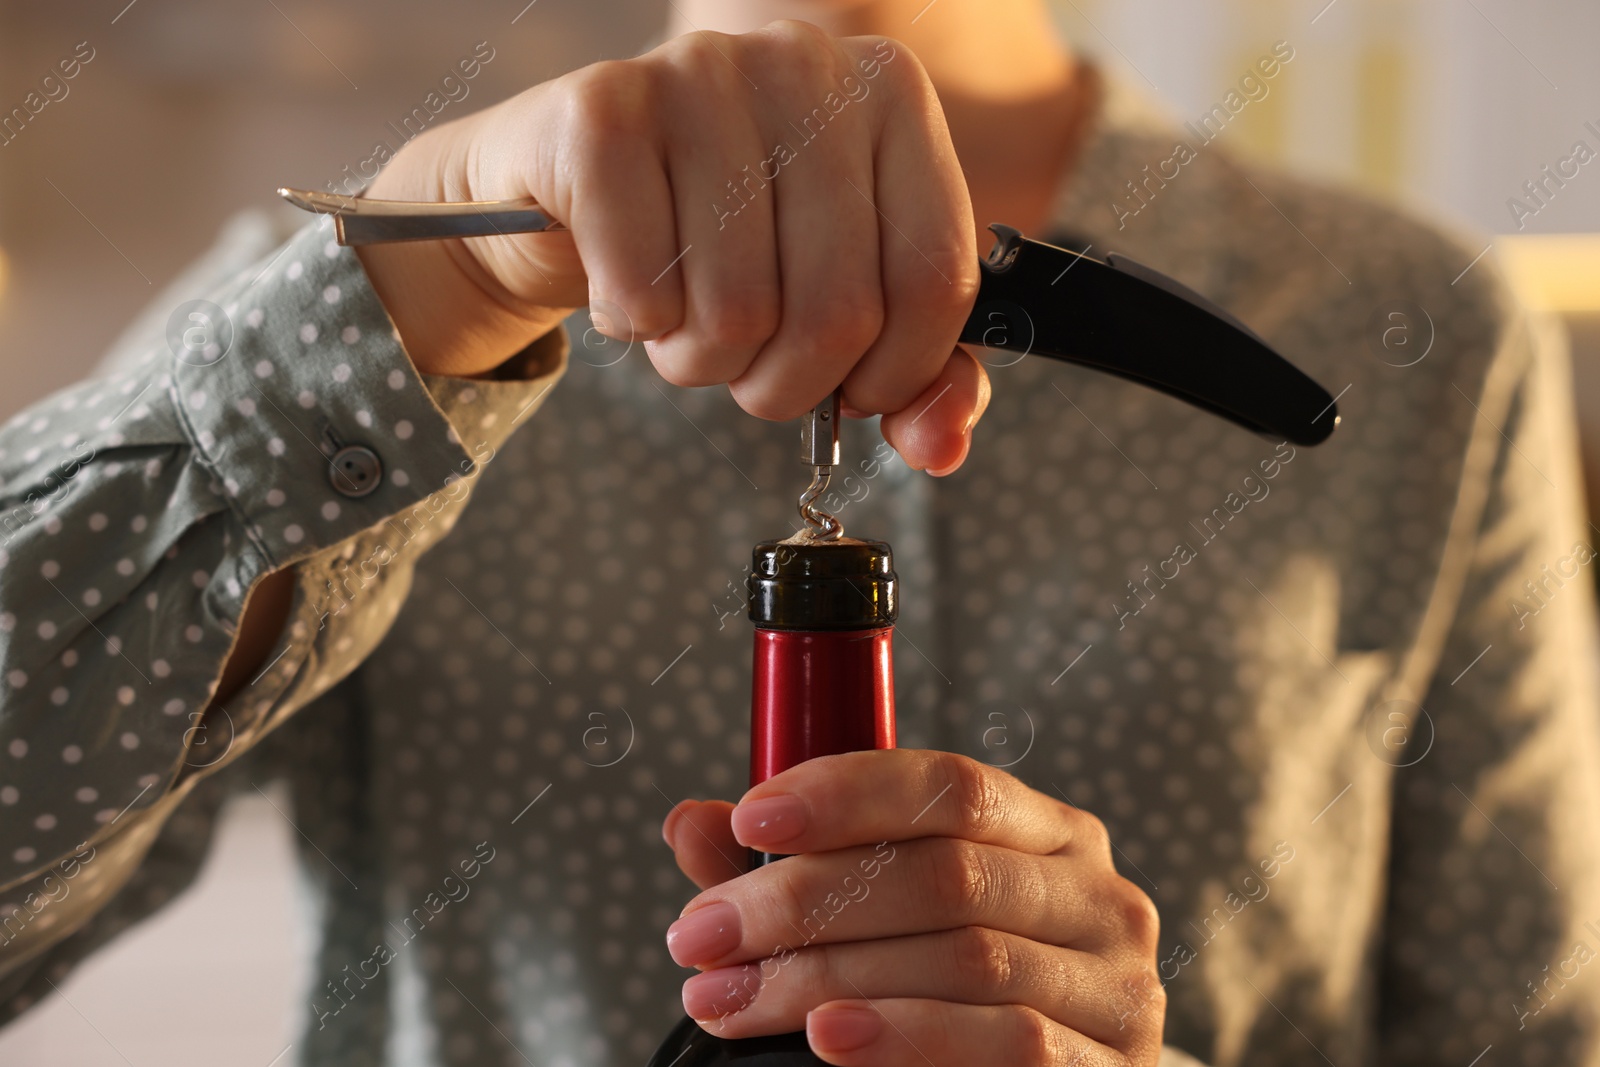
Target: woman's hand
<point>931,909</point>
<point>779,211</point>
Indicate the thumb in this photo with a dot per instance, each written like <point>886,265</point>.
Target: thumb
<point>701,835</point>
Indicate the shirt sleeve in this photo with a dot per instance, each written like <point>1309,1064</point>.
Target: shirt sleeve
<point>283,428</point>
<point>1494,906</point>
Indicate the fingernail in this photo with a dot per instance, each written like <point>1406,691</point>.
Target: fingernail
<point>704,934</point>
<point>721,992</point>
<point>966,446</point>
<point>770,820</point>
<point>843,1027</point>
<point>671,824</point>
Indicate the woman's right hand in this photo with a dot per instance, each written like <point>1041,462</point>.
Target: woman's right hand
<point>780,211</point>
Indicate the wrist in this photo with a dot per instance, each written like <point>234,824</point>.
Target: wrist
<point>451,314</point>
<point>445,321</point>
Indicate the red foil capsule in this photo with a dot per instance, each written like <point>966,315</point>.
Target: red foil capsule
<point>818,693</point>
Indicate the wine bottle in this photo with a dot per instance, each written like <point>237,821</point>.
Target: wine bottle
<point>824,611</point>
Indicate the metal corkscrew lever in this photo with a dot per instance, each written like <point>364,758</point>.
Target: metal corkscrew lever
<point>359,221</point>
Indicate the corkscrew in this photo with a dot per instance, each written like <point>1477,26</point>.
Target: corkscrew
<point>1114,315</point>
<point>819,448</point>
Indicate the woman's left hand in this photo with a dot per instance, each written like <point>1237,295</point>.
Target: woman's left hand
<point>932,910</point>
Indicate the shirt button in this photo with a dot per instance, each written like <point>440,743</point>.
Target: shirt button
<point>355,471</point>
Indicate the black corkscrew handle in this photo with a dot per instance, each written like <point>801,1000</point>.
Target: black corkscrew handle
<point>1123,318</point>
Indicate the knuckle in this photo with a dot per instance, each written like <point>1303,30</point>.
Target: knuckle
<point>767,400</point>
<point>980,803</point>
<point>877,394</point>
<point>803,37</point>
<point>682,373</point>
<point>1144,1008</point>
<point>1136,912</point>
<point>701,48</point>
<point>800,53</point>
<point>628,315</point>
<point>1037,1040</point>
<point>965,279</point>
<point>608,99</point>
<point>1090,835</point>
<point>846,325</point>
<point>818,967</point>
<point>764,402</point>
<point>742,323</point>
<point>895,63</point>
<point>1151,995</point>
<point>703,60</point>
<point>985,958</point>
<point>789,897</point>
<point>944,279</point>
<point>962,881</point>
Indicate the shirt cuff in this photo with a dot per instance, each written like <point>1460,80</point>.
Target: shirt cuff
<point>310,415</point>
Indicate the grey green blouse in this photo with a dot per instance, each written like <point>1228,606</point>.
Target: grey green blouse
<point>1336,705</point>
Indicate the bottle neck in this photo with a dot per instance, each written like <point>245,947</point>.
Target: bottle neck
<point>818,693</point>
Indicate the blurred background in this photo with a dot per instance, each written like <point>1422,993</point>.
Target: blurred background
<point>191,110</point>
